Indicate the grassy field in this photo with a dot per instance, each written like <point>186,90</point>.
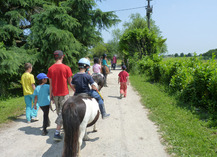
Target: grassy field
<point>183,132</point>
<point>11,108</point>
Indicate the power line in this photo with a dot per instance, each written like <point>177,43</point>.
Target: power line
<point>127,9</point>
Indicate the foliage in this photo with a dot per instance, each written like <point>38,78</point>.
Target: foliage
<point>99,50</point>
<point>90,20</point>
<point>138,22</point>
<point>182,54</point>
<point>209,53</point>
<point>113,45</point>
<point>31,30</point>
<point>137,38</point>
<point>192,78</point>
<point>11,65</point>
<point>189,55</point>
<point>49,35</point>
<point>141,41</point>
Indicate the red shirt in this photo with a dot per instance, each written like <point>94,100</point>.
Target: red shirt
<point>123,76</point>
<point>59,73</point>
<point>114,60</point>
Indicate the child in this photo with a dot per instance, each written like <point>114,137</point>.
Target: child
<point>42,96</point>
<point>28,84</point>
<point>96,66</point>
<point>124,81</point>
<point>81,82</point>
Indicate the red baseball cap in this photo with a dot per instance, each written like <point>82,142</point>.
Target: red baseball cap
<point>58,53</point>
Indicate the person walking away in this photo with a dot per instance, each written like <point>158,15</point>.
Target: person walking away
<point>104,71</point>
<point>81,82</point>
<point>123,79</point>
<point>42,97</point>
<point>59,74</point>
<point>28,84</point>
<point>114,62</point>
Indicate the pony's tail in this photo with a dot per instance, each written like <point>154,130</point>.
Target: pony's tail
<point>71,125</point>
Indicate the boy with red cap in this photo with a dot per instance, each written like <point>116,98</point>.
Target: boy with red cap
<point>59,74</point>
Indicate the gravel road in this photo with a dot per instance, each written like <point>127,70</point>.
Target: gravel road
<point>127,133</point>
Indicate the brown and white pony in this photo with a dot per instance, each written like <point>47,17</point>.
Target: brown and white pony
<point>79,112</point>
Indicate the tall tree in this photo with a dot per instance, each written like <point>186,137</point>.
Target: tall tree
<point>141,41</point>
<point>71,26</point>
<point>13,55</point>
<point>138,22</point>
<point>90,20</point>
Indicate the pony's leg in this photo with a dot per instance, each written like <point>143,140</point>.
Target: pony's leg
<point>79,150</point>
<point>94,128</point>
<point>82,133</point>
<point>86,138</point>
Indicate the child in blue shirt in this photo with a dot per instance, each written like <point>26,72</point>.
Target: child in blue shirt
<point>81,82</point>
<point>42,97</point>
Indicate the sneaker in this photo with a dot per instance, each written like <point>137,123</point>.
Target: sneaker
<point>34,119</point>
<point>105,116</point>
<point>28,122</point>
<point>57,137</point>
<point>121,96</point>
<point>44,132</point>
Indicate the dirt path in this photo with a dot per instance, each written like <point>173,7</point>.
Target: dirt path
<point>127,133</point>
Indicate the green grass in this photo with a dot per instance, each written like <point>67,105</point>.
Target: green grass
<point>11,108</point>
<point>183,132</point>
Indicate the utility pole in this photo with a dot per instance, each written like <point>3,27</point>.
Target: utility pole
<point>148,12</point>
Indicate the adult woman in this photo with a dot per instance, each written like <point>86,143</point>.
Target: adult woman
<point>105,68</point>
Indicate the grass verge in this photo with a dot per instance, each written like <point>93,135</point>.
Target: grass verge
<point>11,108</point>
<point>183,132</point>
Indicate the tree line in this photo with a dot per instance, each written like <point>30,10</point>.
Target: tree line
<point>31,30</point>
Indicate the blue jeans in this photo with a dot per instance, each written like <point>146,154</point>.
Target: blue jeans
<point>96,95</point>
<point>30,112</point>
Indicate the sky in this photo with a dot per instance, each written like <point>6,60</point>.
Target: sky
<point>188,25</point>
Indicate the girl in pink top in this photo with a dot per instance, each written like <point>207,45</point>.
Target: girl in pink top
<point>124,81</point>
<point>96,66</point>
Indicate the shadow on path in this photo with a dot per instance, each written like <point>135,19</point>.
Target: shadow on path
<point>57,147</point>
<point>117,97</point>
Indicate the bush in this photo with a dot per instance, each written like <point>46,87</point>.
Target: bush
<point>194,79</point>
